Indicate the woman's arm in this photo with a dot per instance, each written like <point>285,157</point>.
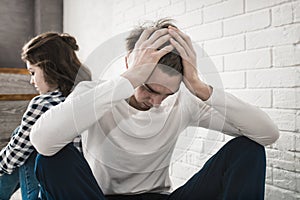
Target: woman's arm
<point>19,148</point>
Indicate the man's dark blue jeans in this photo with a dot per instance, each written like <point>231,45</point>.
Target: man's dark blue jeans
<point>235,172</point>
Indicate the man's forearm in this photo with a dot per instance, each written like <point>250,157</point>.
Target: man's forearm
<point>200,89</point>
<point>61,124</point>
<point>248,120</point>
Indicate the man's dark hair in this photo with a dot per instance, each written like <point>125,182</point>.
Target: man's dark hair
<point>172,59</point>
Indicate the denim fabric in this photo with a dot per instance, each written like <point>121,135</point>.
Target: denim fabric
<point>236,171</point>
<point>9,183</point>
<point>22,177</point>
<point>28,182</point>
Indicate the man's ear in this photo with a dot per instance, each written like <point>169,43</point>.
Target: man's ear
<point>126,61</point>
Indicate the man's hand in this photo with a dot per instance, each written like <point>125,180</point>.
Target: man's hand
<point>145,55</point>
<point>183,44</point>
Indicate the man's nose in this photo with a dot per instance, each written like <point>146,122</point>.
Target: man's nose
<point>156,100</point>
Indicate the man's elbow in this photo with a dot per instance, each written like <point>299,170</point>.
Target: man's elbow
<point>43,150</point>
<point>272,135</point>
<point>39,144</point>
<point>276,135</point>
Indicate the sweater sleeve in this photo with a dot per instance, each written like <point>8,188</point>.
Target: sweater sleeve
<point>83,107</point>
<point>230,115</point>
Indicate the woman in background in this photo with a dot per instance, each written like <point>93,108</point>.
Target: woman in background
<point>55,70</point>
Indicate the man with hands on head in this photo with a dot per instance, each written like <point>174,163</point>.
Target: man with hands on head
<point>130,125</point>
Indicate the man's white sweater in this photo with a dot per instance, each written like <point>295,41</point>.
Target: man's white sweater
<point>128,150</point>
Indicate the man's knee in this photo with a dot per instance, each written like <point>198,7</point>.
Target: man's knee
<point>243,141</point>
<point>247,147</point>
<point>51,165</point>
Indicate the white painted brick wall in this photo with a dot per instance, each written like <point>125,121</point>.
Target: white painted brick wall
<point>253,47</point>
<point>211,64</point>
<point>183,171</point>
<point>175,9</point>
<point>258,58</point>
<point>286,142</point>
<point>247,22</point>
<point>233,79</point>
<point>282,15</point>
<point>134,12</point>
<point>152,5</point>
<point>281,78</point>
<point>273,37</point>
<point>297,144</point>
<point>196,4</point>
<point>286,98</point>
<point>298,122</point>
<point>278,193</point>
<point>281,159</point>
<point>223,10</point>
<point>190,19</point>
<point>284,179</point>
<point>296,11</point>
<point>258,97</point>
<point>284,118</point>
<point>298,183</point>
<point>297,158</point>
<point>259,4</point>
<point>206,31</point>
<point>286,55</point>
<point>224,45</point>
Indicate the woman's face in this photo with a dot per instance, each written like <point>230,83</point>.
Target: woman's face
<point>37,79</point>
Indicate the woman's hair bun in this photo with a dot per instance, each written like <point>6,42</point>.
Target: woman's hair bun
<point>70,40</point>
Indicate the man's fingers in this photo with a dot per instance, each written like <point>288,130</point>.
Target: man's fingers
<point>157,34</point>
<point>167,49</point>
<point>160,41</point>
<point>183,35</point>
<point>160,53</point>
<point>144,36</point>
<point>183,39</point>
<point>179,48</point>
<point>152,39</point>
